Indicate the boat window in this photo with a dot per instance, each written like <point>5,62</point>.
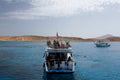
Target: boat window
<point>58,56</point>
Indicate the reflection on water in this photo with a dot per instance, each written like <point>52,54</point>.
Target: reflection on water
<point>59,77</point>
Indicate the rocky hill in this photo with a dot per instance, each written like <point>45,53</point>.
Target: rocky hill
<point>22,38</point>
<point>105,36</point>
<point>45,38</point>
<point>37,38</point>
<point>109,37</point>
<point>113,38</point>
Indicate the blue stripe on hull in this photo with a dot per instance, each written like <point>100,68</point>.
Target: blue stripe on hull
<point>59,71</point>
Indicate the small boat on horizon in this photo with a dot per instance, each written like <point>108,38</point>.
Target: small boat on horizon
<point>102,43</point>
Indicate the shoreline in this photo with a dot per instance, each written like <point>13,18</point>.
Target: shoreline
<point>45,38</point>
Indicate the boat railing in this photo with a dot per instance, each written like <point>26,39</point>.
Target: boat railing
<point>48,49</point>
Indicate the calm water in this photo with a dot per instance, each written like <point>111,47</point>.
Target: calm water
<point>24,61</point>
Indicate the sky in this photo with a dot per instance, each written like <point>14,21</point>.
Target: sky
<point>76,18</point>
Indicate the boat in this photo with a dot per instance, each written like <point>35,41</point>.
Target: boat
<point>59,58</point>
<point>102,44</point>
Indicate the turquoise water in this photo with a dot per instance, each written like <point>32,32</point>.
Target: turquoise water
<point>24,61</point>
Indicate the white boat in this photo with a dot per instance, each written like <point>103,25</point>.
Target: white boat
<point>59,60</point>
<point>102,44</point>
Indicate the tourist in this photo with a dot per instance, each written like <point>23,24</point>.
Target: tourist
<point>62,45</point>
<point>57,43</point>
<point>68,45</point>
<point>48,43</point>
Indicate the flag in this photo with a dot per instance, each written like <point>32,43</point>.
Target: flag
<point>57,34</point>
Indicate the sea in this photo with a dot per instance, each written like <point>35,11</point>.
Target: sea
<point>24,61</point>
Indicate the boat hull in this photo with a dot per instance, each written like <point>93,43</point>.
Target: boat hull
<point>98,45</point>
<point>59,72</point>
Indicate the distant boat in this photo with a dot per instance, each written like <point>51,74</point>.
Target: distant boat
<point>102,44</point>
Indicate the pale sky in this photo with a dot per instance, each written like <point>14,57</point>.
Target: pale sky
<point>76,18</point>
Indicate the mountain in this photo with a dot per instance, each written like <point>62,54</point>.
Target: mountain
<point>109,37</point>
<point>105,36</point>
<point>113,38</point>
<point>45,38</point>
<point>22,38</point>
<point>37,38</point>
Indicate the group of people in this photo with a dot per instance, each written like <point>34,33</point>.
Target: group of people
<point>58,61</point>
<point>56,44</point>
